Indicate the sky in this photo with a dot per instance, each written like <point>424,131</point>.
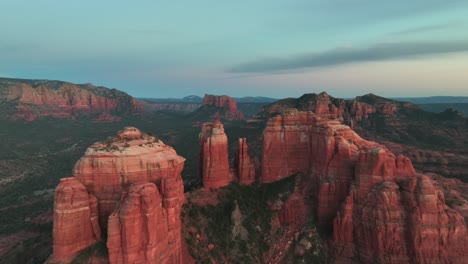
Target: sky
<point>274,48</point>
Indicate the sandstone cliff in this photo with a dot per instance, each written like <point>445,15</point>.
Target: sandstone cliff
<point>131,185</point>
<point>30,99</point>
<point>324,105</point>
<point>214,162</point>
<point>76,224</point>
<point>244,166</point>
<point>434,141</point>
<point>387,213</point>
<point>219,107</point>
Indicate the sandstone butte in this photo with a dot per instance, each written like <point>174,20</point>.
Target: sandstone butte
<point>243,164</point>
<point>129,185</point>
<point>379,208</point>
<point>214,162</point>
<point>224,102</point>
<point>38,98</point>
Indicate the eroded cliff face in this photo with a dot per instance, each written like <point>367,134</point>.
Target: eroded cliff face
<point>144,227</point>
<point>243,164</point>
<point>30,99</point>
<point>134,189</point>
<point>326,106</point>
<point>434,141</point>
<point>387,213</point>
<point>224,106</point>
<point>214,162</point>
<point>76,224</point>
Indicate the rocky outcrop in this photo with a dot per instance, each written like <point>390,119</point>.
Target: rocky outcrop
<point>293,211</point>
<point>30,99</point>
<point>386,211</point>
<point>450,164</point>
<point>139,230</point>
<point>221,106</point>
<point>108,167</point>
<point>244,166</point>
<point>214,163</point>
<point>136,181</point>
<point>300,142</point>
<point>76,224</point>
<point>326,106</point>
<point>400,220</point>
<point>434,141</point>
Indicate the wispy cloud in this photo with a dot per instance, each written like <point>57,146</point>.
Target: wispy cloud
<point>339,56</point>
<point>428,28</point>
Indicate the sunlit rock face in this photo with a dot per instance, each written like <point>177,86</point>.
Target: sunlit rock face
<point>227,106</point>
<point>379,208</point>
<point>37,98</point>
<point>135,191</point>
<point>76,224</point>
<point>214,162</point>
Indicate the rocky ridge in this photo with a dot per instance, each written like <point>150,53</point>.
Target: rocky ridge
<point>31,99</point>
<point>378,196</point>
<point>436,142</point>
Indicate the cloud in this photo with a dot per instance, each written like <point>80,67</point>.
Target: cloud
<point>429,28</point>
<point>339,56</point>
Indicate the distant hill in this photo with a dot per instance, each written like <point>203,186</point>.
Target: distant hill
<point>198,99</point>
<point>438,104</point>
<point>433,99</point>
<point>31,99</point>
<point>186,99</point>
<point>441,107</point>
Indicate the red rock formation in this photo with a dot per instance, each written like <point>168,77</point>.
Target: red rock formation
<point>34,98</point>
<point>301,142</point>
<point>214,163</point>
<point>76,224</point>
<point>399,220</point>
<point>387,215</point>
<point>293,210</point>
<point>108,167</point>
<point>243,164</point>
<point>138,229</point>
<point>136,180</point>
<point>440,162</point>
<point>224,102</point>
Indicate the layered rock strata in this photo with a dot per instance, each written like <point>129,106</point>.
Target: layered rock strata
<point>387,213</point>
<point>244,166</point>
<point>138,189</point>
<point>214,162</point>
<point>76,224</point>
<point>326,106</point>
<point>227,106</point>
<point>31,99</point>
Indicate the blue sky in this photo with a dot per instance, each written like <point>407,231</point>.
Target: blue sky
<point>241,48</point>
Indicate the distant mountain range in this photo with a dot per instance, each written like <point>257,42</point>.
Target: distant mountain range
<point>433,99</point>
<point>263,99</point>
<point>198,99</point>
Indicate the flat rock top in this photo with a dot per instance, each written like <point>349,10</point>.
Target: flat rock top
<point>130,141</point>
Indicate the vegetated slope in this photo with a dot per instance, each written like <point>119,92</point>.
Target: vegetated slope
<point>433,99</point>
<point>31,99</point>
<point>35,155</point>
<point>441,107</point>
